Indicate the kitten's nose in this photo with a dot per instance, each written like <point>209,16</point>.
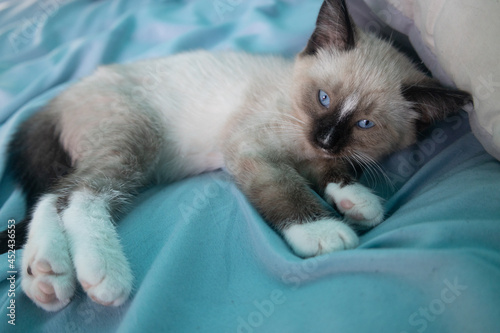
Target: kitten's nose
<point>324,138</point>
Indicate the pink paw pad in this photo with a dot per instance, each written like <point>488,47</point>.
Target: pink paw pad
<point>47,293</point>
<point>346,204</point>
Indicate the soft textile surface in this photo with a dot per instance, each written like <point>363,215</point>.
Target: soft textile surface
<point>459,41</point>
<point>203,259</point>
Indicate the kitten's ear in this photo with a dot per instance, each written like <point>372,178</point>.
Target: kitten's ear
<point>334,28</point>
<point>434,102</point>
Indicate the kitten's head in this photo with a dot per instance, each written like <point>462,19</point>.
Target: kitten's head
<point>358,94</point>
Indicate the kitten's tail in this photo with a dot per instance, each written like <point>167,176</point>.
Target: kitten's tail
<point>36,159</point>
<point>18,238</point>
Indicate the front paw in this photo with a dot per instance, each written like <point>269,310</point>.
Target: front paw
<point>319,237</point>
<point>358,204</point>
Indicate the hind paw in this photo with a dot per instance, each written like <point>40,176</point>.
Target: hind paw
<point>101,266</point>
<point>108,283</point>
<point>50,288</point>
<point>48,276</point>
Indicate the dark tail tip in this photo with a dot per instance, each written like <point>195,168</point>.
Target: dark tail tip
<point>15,236</point>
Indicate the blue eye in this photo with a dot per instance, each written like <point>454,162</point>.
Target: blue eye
<point>365,124</point>
<point>324,99</point>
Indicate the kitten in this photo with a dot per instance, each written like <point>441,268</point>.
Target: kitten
<point>277,125</point>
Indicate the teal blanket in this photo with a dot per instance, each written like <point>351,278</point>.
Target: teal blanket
<point>203,259</point>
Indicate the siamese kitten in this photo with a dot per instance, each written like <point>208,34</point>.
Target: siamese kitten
<point>279,126</point>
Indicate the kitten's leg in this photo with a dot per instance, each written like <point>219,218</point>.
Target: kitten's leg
<point>101,267</point>
<point>97,192</point>
<point>285,200</point>
<point>48,276</point>
<point>106,180</point>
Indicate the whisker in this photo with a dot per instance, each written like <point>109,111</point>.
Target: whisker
<point>364,165</point>
<point>294,118</point>
<point>368,164</point>
<point>375,168</point>
<point>346,158</point>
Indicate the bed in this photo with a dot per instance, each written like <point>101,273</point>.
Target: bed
<point>203,259</point>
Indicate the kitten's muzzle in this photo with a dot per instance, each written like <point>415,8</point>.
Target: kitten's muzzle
<point>331,139</point>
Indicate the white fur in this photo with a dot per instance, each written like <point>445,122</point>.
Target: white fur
<point>349,105</point>
<point>366,210</point>
<point>204,91</point>
<point>101,266</point>
<point>320,237</point>
<point>47,246</point>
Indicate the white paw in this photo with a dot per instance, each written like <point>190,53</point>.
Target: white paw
<point>48,276</point>
<point>319,237</point>
<point>105,277</point>
<point>101,266</point>
<point>358,204</point>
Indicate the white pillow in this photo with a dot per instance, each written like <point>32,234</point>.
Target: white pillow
<point>459,41</point>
